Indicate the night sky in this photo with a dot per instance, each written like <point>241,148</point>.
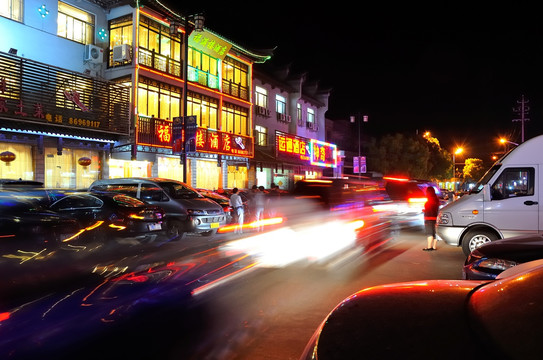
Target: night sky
<point>456,70</point>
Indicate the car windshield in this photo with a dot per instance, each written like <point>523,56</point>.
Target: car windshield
<point>485,179</point>
<point>180,191</point>
<point>127,201</point>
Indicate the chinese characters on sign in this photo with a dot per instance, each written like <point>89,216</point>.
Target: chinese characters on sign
<point>209,44</point>
<point>310,151</point>
<point>169,134</point>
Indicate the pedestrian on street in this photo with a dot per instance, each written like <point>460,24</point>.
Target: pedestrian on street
<point>259,205</point>
<point>431,208</point>
<point>273,200</point>
<point>236,202</point>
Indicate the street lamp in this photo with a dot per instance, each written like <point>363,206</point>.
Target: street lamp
<point>353,119</point>
<point>198,21</point>
<point>458,151</point>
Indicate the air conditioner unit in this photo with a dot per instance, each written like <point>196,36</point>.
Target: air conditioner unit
<point>289,118</point>
<point>260,110</point>
<point>93,54</point>
<point>281,117</point>
<point>268,112</point>
<point>121,53</point>
<point>309,125</point>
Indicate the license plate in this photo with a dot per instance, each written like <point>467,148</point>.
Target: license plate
<point>214,225</point>
<point>153,227</point>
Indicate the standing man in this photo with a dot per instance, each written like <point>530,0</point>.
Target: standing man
<point>259,204</point>
<point>236,202</point>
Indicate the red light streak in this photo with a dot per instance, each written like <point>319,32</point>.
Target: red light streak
<point>253,225</point>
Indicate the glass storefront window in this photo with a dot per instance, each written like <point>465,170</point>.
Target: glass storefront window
<point>237,177</point>
<point>126,168</point>
<point>65,171</point>
<point>21,167</point>
<point>170,168</point>
<point>208,175</point>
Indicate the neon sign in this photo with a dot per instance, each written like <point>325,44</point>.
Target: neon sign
<point>323,154</point>
<point>309,151</point>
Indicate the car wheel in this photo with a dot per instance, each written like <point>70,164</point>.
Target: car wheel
<point>475,238</point>
<point>209,233</point>
<point>174,230</point>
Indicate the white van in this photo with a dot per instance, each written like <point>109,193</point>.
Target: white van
<point>504,203</point>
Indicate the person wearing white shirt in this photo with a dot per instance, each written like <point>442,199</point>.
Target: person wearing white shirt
<point>236,202</point>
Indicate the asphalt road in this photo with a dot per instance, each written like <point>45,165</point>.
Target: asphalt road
<point>239,308</point>
<point>270,313</point>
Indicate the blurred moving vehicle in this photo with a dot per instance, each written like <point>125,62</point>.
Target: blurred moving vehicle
<point>490,259</point>
<point>504,203</point>
<point>445,319</point>
<point>105,216</point>
<point>409,196</point>
<point>345,199</point>
<point>187,211</point>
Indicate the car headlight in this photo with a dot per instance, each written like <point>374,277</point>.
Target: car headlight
<point>444,218</point>
<point>196,212</point>
<point>495,264</point>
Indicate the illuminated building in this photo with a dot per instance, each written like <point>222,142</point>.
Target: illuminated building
<point>289,118</point>
<point>103,80</point>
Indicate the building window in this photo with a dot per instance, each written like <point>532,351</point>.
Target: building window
<point>156,37</point>
<point>261,97</point>
<point>235,75</point>
<point>234,119</point>
<point>12,9</point>
<point>203,69</point>
<point>299,113</point>
<point>75,24</point>
<point>261,135</point>
<point>205,109</point>
<point>158,99</point>
<point>120,31</point>
<point>280,104</point>
<point>311,118</point>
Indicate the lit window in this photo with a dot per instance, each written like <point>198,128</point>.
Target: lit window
<point>280,104</point>
<point>12,9</point>
<point>261,135</point>
<point>261,97</point>
<point>75,24</point>
<point>310,118</point>
<point>299,113</point>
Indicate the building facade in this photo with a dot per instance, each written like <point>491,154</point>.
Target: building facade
<point>96,89</point>
<point>289,118</point>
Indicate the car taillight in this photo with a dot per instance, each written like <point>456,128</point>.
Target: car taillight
<point>146,214</point>
<point>417,200</point>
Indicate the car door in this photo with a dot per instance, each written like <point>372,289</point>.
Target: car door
<point>87,209</point>
<point>514,205</point>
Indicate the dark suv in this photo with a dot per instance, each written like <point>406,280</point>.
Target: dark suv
<point>187,211</point>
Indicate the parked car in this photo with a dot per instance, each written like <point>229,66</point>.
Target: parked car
<point>445,319</point>
<point>26,225</point>
<point>489,260</point>
<point>186,210</point>
<point>107,216</point>
<point>222,200</point>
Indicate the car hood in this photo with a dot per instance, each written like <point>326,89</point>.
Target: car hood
<point>452,318</point>
<point>520,248</point>
<point>391,321</point>
<point>201,204</point>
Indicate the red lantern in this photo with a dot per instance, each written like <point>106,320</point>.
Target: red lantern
<point>84,161</point>
<point>7,157</point>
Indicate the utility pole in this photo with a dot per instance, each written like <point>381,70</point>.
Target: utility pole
<point>522,110</point>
